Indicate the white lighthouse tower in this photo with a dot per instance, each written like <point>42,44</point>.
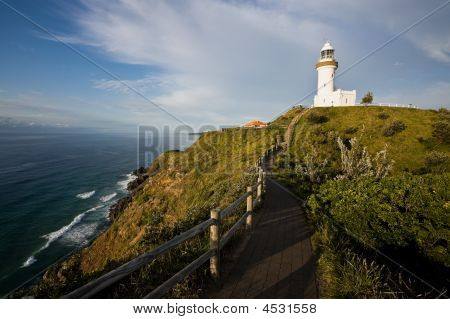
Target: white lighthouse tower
<point>326,93</point>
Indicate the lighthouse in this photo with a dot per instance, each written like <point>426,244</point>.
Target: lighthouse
<point>327,95</point>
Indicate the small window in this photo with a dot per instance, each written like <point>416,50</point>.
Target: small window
<point>345,101</point>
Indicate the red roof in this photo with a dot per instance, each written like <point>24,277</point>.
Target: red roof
<point>255,124</point>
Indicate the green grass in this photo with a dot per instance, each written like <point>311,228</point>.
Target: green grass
<point>404,147</point>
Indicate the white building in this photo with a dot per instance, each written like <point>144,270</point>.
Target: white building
<point>327,95</point>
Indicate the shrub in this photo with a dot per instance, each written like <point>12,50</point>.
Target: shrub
<point>436,162</point>
<point>320,135</point>
<point>443,111</point>
<point>358,278</point>
<point>351,130</point>
<point>356,161</point>
<point>383,116</point>
<point>441,131</point>
<point>421,139</point>
<point>405,211</point>
<point>313,168</point>
<point>393,128</point>
<point>317,118</point>
<point>367,98</point>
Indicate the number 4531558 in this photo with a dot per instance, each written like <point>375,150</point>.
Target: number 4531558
<point>290,308</point>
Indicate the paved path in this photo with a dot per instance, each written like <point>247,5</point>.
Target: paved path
<point>277,261</point>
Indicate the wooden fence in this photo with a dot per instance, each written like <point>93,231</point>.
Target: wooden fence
<point>252,196</point>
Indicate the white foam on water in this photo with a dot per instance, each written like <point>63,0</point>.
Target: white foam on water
<point>80,234</point>
<point>29,261</point>
<point>123,184</point>
<point>107,198</point>
<point>86,195</point>
<point>51,237</point>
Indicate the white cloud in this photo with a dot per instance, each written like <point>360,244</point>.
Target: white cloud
<point>144,85</point>
<point>432,35</point>
<point>435,46</point>
<point>216,56</point>
<point>230,60</point>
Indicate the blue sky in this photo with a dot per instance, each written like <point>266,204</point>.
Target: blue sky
<point>211,62</point>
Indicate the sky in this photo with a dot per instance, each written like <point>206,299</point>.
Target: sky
<point>210,61</point>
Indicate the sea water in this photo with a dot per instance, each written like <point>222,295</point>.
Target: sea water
<point>56,187</point>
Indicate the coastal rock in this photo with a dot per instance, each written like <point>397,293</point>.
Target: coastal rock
<point>141,177</point>
<point>116,209</point>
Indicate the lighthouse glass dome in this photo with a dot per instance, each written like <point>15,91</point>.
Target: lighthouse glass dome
<point>327,54</point>
<point>327,51</point>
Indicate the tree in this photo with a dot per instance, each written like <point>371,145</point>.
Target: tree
<point>368,98</point>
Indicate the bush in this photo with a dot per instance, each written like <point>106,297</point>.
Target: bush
<point>313,167</point>
<point>441,131</point>
<point>351,130</point>
<point>383,116</point>
<point>443,111</point>
<point>406,211</point>
<point>436,162</point>
<point>421,139</point>
<point>394,128</point>
<point>320,135</point>
<point>317,118</point>
<point>367,98</point>
<point>356,161</point>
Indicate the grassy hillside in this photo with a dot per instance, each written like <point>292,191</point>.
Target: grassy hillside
<point>214,171</point>
<point>407,148</point>
<point>374,177</point>
<point>183,188</point>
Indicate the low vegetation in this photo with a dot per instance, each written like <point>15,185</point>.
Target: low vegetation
<point>394,128</point>
<point>183,188</point>
<point>375,194</point>
<point>317,118</point>
<point>374,181</point>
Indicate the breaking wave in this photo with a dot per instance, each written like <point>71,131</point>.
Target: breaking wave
<point>80,234</point>
<point>29,261</point>
<point>86,195</point>
<point>51,237</point>
<point>107,198</point>
<point>123,184</point>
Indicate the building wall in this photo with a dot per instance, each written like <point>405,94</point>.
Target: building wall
<point>325,79</point>
<point>336,98</point>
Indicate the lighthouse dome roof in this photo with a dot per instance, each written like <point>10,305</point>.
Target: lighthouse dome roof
<point>327,46</point>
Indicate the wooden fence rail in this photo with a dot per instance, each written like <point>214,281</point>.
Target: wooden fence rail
<point>217,242</point>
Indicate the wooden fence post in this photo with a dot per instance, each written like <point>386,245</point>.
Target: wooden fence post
<point>264,181</point>
<point>214,242</point>
<point>249,207</point>
<point>259,189</point>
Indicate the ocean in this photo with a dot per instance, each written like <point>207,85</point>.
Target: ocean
<point>56,187</point>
